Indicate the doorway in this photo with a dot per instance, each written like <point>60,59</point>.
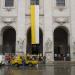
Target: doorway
<point>9,40</point>
<point>61,46</point>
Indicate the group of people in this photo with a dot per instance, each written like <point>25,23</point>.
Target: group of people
<point>8,58</point>
<point>41,59</point>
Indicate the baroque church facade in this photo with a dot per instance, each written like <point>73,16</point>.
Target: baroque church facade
<point>56,28</point>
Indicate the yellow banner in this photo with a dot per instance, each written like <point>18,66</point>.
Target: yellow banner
<point>35,24</point>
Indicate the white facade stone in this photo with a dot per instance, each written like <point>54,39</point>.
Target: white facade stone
<point>51,17</point>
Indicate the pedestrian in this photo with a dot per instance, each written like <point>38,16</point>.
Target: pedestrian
<point>23,61</point>
<point>44,59</point>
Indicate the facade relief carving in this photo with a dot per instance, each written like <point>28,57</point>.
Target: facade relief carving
<point>61,20</point>
<point>20,44</point>
<point>8,19</point>
<point>48,44</point>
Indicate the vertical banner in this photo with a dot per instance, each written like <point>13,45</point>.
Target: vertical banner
<point>35,21</point>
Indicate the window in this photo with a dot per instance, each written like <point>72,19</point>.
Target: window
<point>34,2</point>
<point>60,2</point>
<point>9,3</point>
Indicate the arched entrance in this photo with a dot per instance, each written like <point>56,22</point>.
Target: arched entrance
<point>61,45</point>
<point>34,49</point>
<point>9,40</point>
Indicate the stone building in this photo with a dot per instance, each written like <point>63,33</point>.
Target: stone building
<point>56,31</point>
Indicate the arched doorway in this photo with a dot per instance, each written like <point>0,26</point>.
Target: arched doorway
<point>61,44</point>
<point>34,49</point>
<point>9,40</point>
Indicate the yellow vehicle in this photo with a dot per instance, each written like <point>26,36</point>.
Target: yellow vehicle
<point>31,61</point>
<point>18,60</point>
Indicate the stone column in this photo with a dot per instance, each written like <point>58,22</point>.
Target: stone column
<point>1,41</point>
<point>20,36</point>
<point>48,34</point>
<point>72,31</point>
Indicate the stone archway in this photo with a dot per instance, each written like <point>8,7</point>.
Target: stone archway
<point>34,49</point>
<point>61,45</point>
<point>9,40</point>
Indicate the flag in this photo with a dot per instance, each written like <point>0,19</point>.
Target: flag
<point>35,21</point>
